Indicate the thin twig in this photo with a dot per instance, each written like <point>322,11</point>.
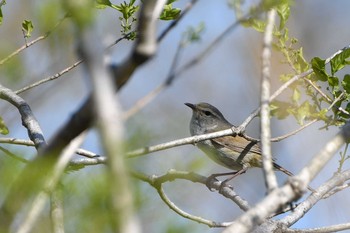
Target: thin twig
<point>24,142</point>
<point>32,42</point>
<point>17,141</point>
<point>158,181</point>
<point>62,72</point>
<point>306,205</point>
<point>333,228</point>
<point>50,78</point>
<point>179,142</point>
<point>292,190</point>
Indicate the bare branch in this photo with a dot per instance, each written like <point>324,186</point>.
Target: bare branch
<point>17,141</point>
<point>158,181</point>
<point>321,192</point>
<point>62,72</point>
<point>50,78</point>
<point>333,228</point>
<point>292,190</point>
<point>265,134</point>
<point>180,142</point>
<point>28,119</point>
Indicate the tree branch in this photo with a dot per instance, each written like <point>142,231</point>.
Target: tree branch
<point>32,42</point>
<point>290,191</point>
<point>110,128</point>
<point>28,119</point>
<point>158,181</point>
<point>265,128</point>
<point>51,181</point>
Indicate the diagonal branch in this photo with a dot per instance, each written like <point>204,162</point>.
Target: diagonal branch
<point>28,119</point>
<point>292,190</point>
<point>32,42</point>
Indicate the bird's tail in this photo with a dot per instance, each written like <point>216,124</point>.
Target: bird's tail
<point>285,171</point>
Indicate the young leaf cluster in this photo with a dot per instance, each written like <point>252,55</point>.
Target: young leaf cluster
<point>170,13</point>
<point>128,16</point>
<point>192,34</point>
<point>311,96</point>
<point>334,83</point>
<point>2,3</point>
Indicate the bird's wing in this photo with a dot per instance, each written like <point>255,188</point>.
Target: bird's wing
<point>240,144</point>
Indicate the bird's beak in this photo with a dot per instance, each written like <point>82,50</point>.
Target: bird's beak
<point>192,106</point>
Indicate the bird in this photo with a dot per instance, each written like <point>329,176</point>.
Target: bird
<point>233,152</point>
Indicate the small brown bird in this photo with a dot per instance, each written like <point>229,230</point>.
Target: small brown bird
<point>233,152</point>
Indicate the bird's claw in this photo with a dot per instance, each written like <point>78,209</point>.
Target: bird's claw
<point>211,180</point>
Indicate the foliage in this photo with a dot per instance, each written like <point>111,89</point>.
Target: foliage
<point>27,27</point>
<point>2,3</point>
<point>343,158</point>
<point>307,100</point>
<point>170,13</point>
<point>129,18</point>
<point>3,128</point>
<point>192,34</point>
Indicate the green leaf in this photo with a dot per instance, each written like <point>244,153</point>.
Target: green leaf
<point>170,2</point>
<point>280,109</point>
<point>333,81</point>
<point>3,128</point>
<point>101,4</point>
<point>283,10</point>
<point>170,13</point>
<point>27,27</point>
<point>258,25</point>
<point>1,16</point>
<point>193,34</point>
<point>346,83</point>
<point>296,95</point>
<point>304,111</point>
<point>318,66</point>
<point>339,61</point>
<point>322,115</point>
<point>301,64</point>
<point>127,9</point>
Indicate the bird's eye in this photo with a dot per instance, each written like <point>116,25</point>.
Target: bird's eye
<point>207,113</point>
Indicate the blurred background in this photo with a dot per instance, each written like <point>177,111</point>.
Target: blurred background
<point>228,78</point>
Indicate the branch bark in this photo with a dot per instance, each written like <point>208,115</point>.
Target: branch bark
<point>265,134</point>
<point>291,191</point>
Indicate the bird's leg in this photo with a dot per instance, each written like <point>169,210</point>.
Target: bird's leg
<point>212,178</point>
<point>234,174</point>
